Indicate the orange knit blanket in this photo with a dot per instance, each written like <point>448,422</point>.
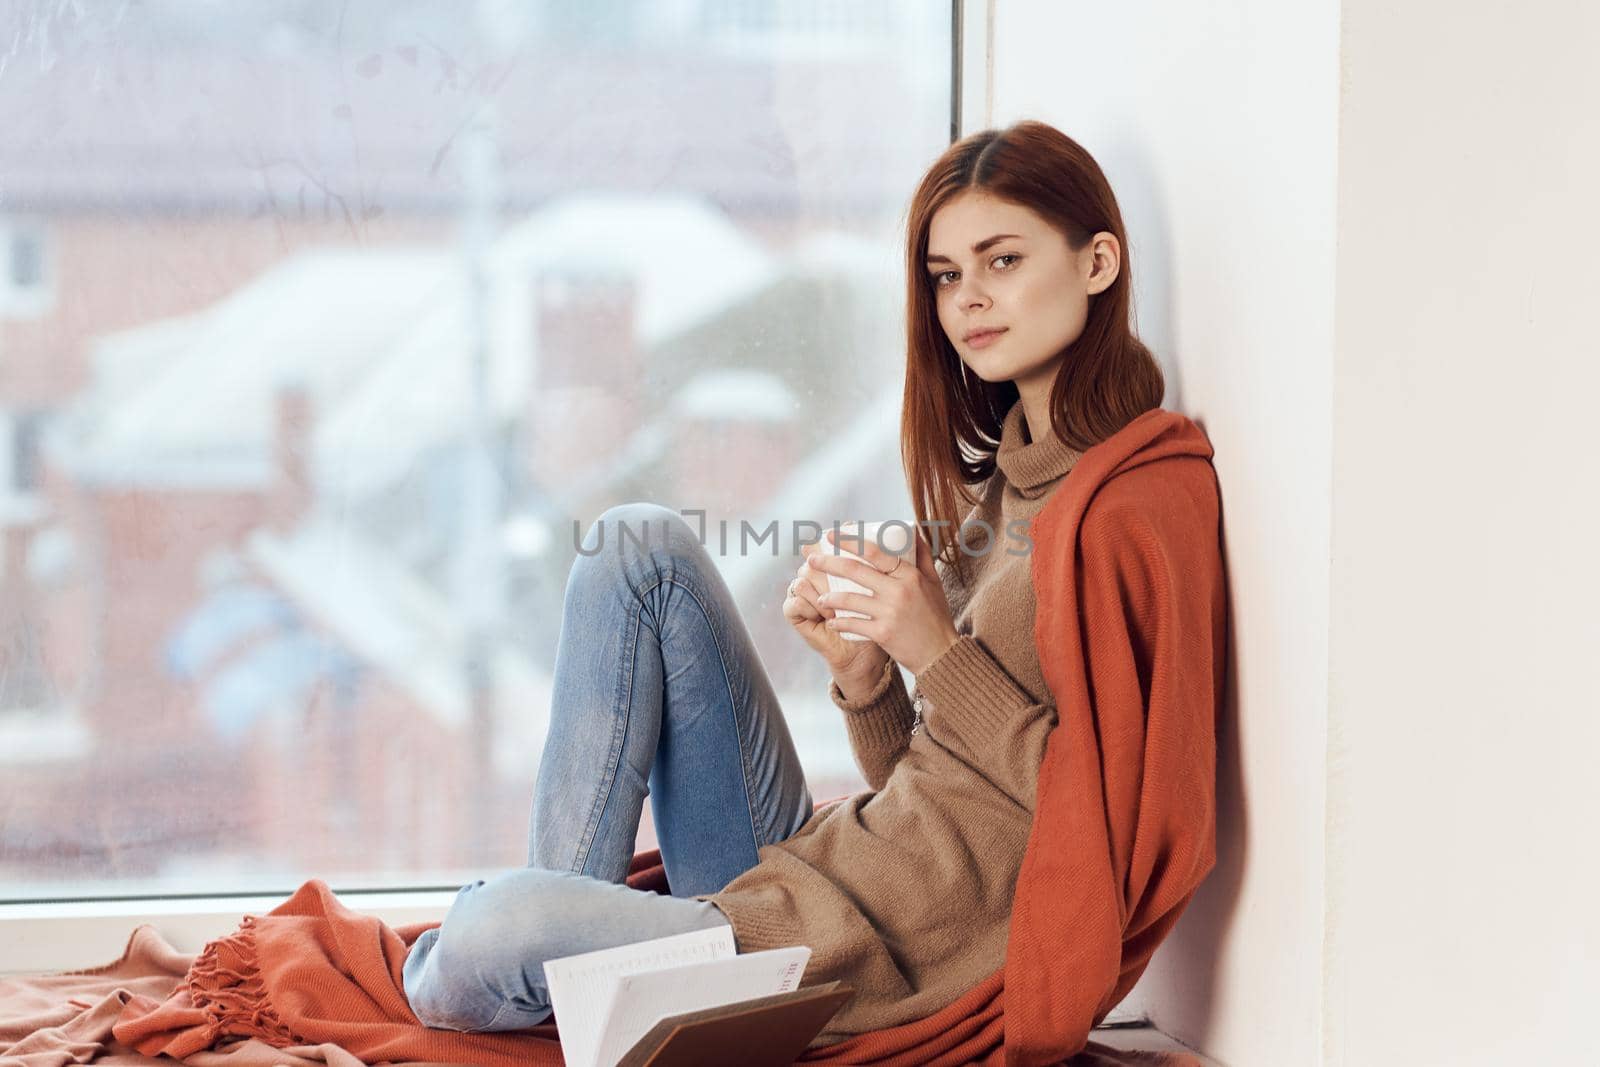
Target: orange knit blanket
<point>1130,628</point>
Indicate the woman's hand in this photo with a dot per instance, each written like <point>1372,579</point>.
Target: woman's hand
<point>908,615</point>
<point>850,661</point>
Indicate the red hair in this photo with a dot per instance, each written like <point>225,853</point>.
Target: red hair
<point>950,421</point>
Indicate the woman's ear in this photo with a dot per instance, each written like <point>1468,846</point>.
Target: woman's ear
<point>1105,261</point>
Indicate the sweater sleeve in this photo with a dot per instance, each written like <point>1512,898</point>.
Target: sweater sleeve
<point>978,712</point>
<point>879,724</point>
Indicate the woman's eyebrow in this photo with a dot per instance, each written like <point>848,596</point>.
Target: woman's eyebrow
<point>987,242</point>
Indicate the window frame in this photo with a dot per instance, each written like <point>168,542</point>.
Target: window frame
<point>79,934</point>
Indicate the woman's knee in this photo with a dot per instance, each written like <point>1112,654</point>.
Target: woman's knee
<point>475,962</point>
<point>443,987</point>
<point>483,968</point>
<point>640,537</point>
<point>437,997</point>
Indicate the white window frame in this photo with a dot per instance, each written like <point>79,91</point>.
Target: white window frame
<point>78,934</point>
<point>40,937</point>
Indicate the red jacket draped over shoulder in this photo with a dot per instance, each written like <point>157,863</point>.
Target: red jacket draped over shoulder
<point>1132,635</point>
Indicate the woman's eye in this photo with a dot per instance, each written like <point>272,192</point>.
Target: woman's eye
<point>1006,261</point>
<point>940,282</point>
<point>944,278</point>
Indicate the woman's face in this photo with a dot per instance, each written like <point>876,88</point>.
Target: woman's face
<point>1011,293</point>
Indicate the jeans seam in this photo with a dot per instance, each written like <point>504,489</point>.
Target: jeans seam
<point>493,1022</point>
<point>619,734</point>
<point>722,663</point>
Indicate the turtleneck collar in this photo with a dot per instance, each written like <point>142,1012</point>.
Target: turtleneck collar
<point>1031,467</point>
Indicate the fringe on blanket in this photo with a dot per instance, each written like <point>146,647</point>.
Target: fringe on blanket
<point>225,983</point>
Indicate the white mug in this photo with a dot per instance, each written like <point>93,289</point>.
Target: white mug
<point>896,538</point>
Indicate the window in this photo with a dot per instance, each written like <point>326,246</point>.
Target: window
<point>24,283</point>
<point>19,451</point>
<point>26,262</point>
<point>360,310</point>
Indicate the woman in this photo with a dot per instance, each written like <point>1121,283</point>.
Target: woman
<point>1021,361</point>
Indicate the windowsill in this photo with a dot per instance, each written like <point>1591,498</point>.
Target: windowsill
<point>77,935</point>
<point>1143,1044</point>
<point>44,938</point>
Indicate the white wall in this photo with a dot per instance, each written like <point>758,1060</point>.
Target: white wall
<point>1364,237</point>
<point>1466,526</point>
<point>1217,128</point>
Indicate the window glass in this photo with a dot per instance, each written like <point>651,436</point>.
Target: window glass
<point>360,313</point>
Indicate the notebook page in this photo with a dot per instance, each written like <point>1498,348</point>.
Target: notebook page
<point>643,999</point>
<point>581,986</point>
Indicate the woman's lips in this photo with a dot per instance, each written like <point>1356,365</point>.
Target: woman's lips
<point>984,338</point>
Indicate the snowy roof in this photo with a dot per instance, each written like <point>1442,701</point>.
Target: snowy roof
<point>192,400</point>
<point>737,393</point>
<point>850,254</point>
<point>382,339</point>
<point>690,259</point>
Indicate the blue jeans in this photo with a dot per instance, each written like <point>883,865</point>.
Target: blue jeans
<point>659,692</point>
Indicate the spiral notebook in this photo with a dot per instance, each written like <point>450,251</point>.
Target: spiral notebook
<point>606,1001</point>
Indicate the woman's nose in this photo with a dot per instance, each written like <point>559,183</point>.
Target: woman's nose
<point>972,297</point>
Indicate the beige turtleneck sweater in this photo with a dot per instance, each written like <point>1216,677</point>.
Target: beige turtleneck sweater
<point>904,891</point>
